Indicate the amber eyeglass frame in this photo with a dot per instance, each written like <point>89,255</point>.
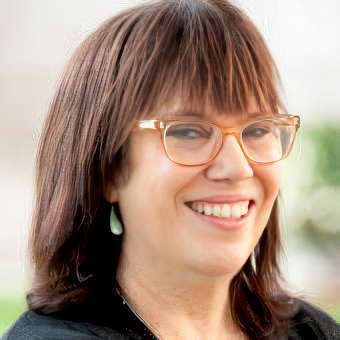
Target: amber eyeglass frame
<point>283,119</point>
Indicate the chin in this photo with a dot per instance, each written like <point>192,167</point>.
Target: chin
<point>220,263</point>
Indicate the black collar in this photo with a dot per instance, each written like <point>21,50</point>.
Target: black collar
<point>108,309</point>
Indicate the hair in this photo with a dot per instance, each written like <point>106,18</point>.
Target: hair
<point>140,59</point>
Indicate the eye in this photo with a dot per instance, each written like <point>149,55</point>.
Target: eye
<point>188,132</point>
<point>256,132</point>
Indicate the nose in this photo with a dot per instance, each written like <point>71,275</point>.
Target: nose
<point>230,163</point>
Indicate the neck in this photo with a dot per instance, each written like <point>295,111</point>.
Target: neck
<point>178,303</point>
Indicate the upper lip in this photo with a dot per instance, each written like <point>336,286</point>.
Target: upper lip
<point>226,199</point>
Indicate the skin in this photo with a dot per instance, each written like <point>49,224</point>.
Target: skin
<point>175,267</point>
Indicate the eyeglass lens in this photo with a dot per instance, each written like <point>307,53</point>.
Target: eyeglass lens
<point>193,143</point>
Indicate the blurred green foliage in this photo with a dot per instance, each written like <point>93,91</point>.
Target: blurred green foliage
<point>325,139</point>
<point>10,310</point>
<point>320,228</point>
<point>334,312</point>
<point>327,243</point>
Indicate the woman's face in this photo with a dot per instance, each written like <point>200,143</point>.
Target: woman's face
<point>161,227</point>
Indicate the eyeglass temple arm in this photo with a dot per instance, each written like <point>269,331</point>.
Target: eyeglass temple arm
<point>296,121</point>
<point>150,124</point>
<point>293,120</point>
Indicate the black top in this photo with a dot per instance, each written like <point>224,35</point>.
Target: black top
<point>107,316</point>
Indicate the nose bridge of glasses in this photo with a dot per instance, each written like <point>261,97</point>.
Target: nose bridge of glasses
<point>230,130</point>
<point>226,131</point>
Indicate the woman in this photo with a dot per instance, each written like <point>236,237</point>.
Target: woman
<point>158,173</point>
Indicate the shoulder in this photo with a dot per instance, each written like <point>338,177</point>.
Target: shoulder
<point>312,323</point>
<point>34,326</point>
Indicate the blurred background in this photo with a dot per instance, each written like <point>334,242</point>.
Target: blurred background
<point>36,39</point>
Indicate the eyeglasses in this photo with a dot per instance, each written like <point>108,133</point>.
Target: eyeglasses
<point>198,142</point>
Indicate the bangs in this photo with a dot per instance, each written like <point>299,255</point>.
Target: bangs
<point>203,52</point>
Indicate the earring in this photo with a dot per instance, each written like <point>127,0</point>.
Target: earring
<point>253,259</point>
<point>115,226</point>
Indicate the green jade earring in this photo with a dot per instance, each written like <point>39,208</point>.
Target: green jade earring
<point>115,226</point>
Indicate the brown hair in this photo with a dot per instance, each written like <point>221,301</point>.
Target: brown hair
<point>138,60</point>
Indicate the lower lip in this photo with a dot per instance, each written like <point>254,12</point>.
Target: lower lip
<point>222,223</point>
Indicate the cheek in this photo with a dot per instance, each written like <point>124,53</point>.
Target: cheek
<point>151,168</point>
<point>154,182</point>
<point>270,177</point>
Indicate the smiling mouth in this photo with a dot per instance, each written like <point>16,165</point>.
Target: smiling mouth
<point>232,211</point>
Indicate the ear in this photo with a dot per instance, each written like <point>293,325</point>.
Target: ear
<point>110,192</point>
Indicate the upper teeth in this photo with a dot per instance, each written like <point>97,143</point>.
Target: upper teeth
<point>233,211</point>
